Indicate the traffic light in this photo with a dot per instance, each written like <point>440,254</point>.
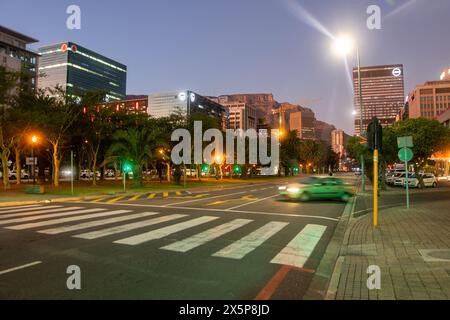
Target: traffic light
<point>296,170</point>
<point>127,167</point>
<point>375,135</point>
<point>205,168</point>
<point>237,169</point>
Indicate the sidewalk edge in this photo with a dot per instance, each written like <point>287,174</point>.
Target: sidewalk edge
<point>328,273</point>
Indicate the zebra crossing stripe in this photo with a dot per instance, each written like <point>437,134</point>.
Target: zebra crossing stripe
<point>64,220</point>
<point>30,212</point>
<point>18,209</point>
<point>165,194</point>
<point>124,228</point>
<point>241,248</point>
<point>151,196</point>
<point>204,237</point>
<point>87,225</point>
<point>298,251</point>
<point>164,232</point>
<point>36,216</point>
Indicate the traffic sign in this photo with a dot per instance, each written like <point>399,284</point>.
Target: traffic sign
<point>29,161</point>
<point>405,154</point>
<point>405,142</point>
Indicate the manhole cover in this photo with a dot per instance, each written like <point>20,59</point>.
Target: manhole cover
<point>435,255</point>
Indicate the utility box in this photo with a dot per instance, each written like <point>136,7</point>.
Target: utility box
<point>35,190</point>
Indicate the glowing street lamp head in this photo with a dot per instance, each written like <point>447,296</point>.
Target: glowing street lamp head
<point>34,139</point>
<point>343,45</point>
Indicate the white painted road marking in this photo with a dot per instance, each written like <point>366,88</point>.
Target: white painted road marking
<point>280,214</point>
<point>164,232</point>
<point>20,267</point>
<point>249,243</point>
<point>205,199</point>
<point>20,208</point>
<point>36,212</point>
<point>253,202</point>
<point>206,236</point>
<point>128,227</point>
<point>298,251</point>
<point>91,224</point>
<point>49,216</point>
<point>64,220</point>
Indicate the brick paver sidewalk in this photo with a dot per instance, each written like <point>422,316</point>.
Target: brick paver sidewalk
<point>397,247</point>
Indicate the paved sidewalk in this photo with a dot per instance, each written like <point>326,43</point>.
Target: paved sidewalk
<point>398,246</point>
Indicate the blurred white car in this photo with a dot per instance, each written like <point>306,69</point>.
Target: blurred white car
<point>399,180</point>
<point>429,180</point>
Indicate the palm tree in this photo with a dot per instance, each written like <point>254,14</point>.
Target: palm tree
<point>137,146</point>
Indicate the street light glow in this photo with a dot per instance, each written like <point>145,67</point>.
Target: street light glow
<point>343,45</point>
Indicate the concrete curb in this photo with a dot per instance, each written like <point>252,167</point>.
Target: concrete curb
<point>326,279</point>
<point>54,200</point>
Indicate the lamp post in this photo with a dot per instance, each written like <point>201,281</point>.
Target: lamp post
<point>343,46</point>
<point>34,140</point>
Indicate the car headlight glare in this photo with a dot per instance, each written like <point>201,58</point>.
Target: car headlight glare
<point>293,190</point>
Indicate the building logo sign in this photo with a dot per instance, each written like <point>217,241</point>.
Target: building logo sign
<point>397,72</point>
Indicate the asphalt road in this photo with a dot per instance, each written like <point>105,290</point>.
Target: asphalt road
<point>238,243</point>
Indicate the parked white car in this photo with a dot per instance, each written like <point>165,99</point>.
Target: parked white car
<point>399,180</point>
<point>390,177</point>
<point>429,180</point>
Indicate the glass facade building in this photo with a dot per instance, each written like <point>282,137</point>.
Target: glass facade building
<point>79,70</point>
<point>187,102</point>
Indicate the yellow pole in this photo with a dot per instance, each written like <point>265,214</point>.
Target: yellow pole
<point>375,187</point>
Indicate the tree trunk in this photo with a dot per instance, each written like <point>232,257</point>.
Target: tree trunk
<point>56,164</point>
<point>94,169</point>
<point>18,166</point>
<point>168,172</point>
<point>5,157</point>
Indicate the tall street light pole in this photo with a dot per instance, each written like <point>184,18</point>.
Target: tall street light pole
<point>343,46</point>
<point>361,121</point>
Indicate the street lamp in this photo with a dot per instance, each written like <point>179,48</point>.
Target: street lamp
<point>34,141</point>
<point>343,45</point>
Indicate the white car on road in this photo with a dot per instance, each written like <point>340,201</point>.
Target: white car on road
<point>429,180</point>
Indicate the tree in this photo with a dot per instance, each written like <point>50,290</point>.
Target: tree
<point>136,145</point>
<point>429,137</point>
<point>55,114</point>
<point>290,150</point>
<point>8,83</point>
<point>96,122</point>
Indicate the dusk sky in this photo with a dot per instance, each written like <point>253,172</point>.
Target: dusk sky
<point>218,47</point>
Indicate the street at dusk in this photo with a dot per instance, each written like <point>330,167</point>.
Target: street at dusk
<point>226,158</point>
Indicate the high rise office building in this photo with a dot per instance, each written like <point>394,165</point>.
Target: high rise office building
<point>14,55</point>
<point>383,94</point>
<point>79,70</point>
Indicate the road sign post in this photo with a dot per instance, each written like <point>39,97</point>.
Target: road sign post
<point>405,154</point>
<point>375,187</point>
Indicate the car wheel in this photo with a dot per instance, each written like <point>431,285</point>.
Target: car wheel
<point>305,197</point>
<point>345,197</point>
<point>434,185</point>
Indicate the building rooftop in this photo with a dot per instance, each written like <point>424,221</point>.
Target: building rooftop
<point>18,35</point>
